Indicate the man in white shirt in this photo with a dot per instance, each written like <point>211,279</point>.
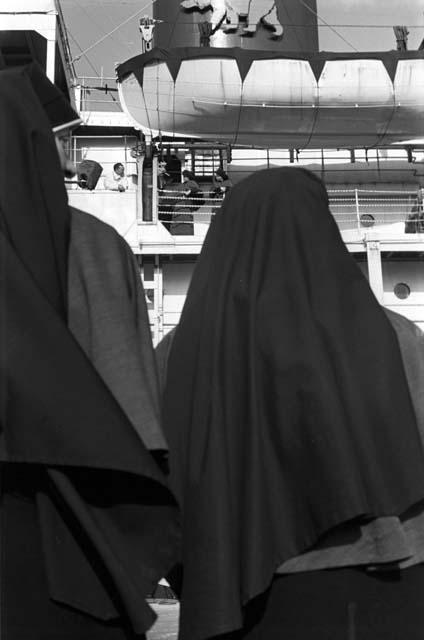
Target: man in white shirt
<point>117,181</point>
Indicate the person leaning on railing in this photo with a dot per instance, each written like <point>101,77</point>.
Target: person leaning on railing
<point>190,202</point>
<point>221,183</point>
<point>190,187</point>
<point>221,186</point>
<point>117,181</point>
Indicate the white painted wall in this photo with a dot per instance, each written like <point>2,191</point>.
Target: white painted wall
<point>106,151</point>
<point>412,274</point>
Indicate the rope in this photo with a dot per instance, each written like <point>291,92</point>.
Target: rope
<point>346,215</point>
<point>307,106</point>
<point>384,191</point>
<point>313,105</point>
<point>338,201</point>
<point>157,103</point>
<point>147,111</point>
<point>353,191</point>
<point>367,205</point>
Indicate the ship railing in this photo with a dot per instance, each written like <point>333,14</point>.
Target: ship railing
<point>202,201</point>
<point>200,207</point>
<point>360,209</point>
<point>93,92</point>
<point>368,208</point>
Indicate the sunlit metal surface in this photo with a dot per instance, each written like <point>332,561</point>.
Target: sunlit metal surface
<point>278,102</point>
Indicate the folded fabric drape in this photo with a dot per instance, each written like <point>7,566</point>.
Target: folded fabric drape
<point>284,401</point>
<point>108,521</point>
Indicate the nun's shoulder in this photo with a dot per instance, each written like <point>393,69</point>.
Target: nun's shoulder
<point>404,325</point>
<point>88,233</point>
<point>87,225</point>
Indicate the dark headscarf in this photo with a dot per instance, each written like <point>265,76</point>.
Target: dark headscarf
<point>34,207</point>
<point>221,173</point>
<point>286,408</point>
<point>189,175</point>
<point>108,522</point>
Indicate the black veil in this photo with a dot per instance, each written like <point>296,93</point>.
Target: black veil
<point>286,408</point>
<point>86,517</point>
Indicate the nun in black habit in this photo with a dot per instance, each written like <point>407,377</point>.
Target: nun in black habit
<point>87,523</point>
<point>294,445</point>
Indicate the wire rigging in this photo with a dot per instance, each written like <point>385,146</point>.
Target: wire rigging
<point>134,15</point>
<point>83,54</point>
<point>91,65</point>
<point>328,25</point>
<point>99,26</point>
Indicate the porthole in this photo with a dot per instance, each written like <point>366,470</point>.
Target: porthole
<point>367,220</point>
<point>402,290</point>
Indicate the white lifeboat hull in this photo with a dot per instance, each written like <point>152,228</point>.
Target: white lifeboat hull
<point>276,100</point>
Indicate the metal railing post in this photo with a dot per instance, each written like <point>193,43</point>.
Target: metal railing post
<point>375,268</point>
<point>358,219</point>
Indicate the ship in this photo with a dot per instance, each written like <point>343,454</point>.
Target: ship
<point>238,87</point>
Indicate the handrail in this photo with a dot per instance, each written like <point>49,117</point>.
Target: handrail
<point>357,208</point>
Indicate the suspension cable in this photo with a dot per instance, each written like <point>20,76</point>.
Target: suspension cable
<point>328,25</point>
<point>147,6</point>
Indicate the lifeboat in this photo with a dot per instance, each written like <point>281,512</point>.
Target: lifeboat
<point>274,99</point>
